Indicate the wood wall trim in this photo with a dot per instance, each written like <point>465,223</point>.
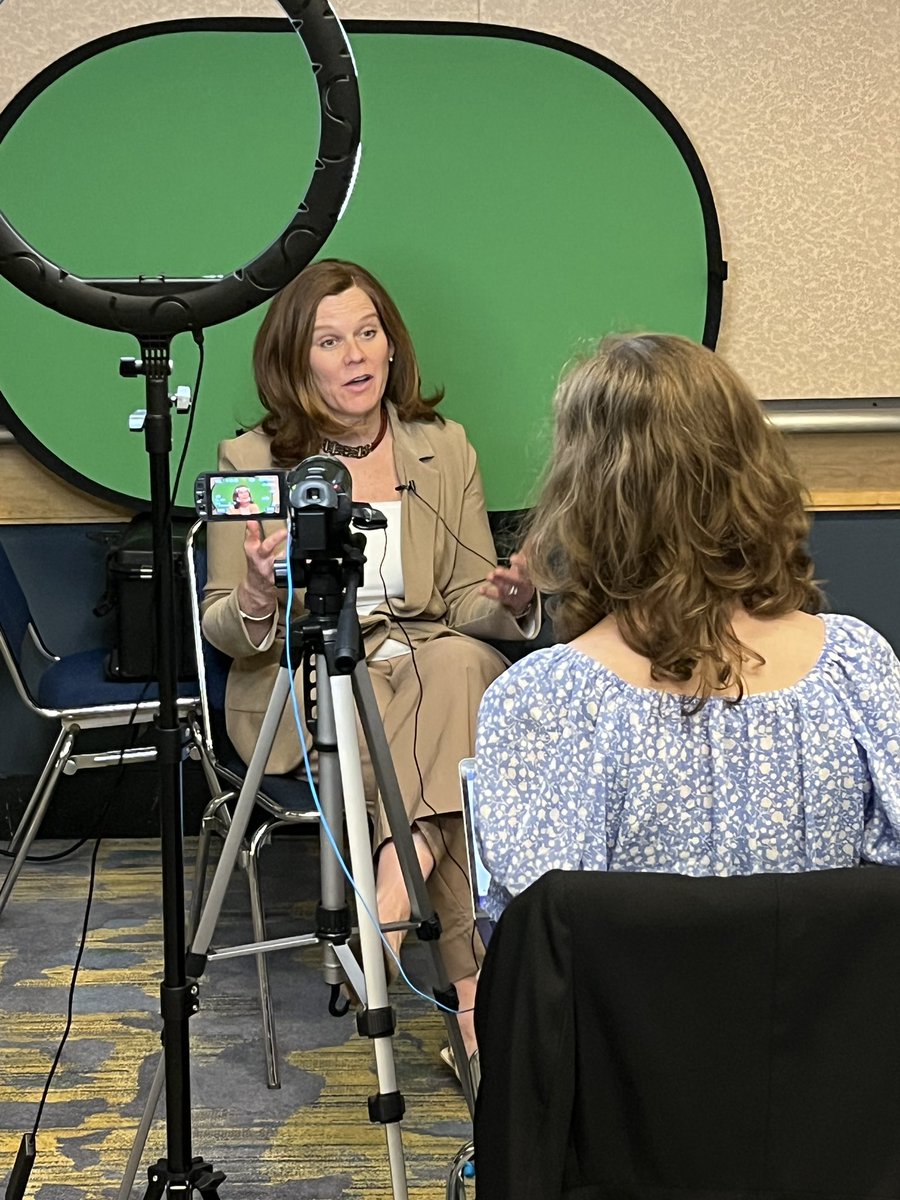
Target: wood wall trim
<point>848,470</point>
<point>32,495</point>
<point>840,470</point>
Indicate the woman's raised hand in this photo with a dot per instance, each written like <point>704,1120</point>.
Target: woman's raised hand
<point>511,586</point>
<point>257,596</point>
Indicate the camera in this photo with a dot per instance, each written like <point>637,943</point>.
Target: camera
<point>316,496</point>
<point>320,505</point>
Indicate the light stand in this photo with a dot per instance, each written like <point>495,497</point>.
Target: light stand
<point>155,309</point>
<point>179,1172</point>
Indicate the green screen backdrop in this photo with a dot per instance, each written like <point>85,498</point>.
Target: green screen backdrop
<point>519,196</point>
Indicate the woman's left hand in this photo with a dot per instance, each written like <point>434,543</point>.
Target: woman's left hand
<point>510,586</point>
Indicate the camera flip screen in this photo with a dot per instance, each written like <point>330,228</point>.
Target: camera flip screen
<point>220,497</point>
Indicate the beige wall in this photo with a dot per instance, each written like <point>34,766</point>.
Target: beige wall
<point>793,107</point>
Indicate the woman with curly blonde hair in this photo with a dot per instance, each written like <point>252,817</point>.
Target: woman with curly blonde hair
<point>702,718</point>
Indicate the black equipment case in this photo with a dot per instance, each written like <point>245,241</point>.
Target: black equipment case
<point>129,581</point>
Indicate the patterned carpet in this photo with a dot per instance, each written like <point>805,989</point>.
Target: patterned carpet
<point>311,1140</point>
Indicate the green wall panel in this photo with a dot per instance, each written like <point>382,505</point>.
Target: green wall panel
<point>518,196</point>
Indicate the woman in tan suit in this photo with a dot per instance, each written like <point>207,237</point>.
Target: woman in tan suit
<point>337,373</point>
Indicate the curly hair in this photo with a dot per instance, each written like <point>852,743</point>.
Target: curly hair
<point>297,417</point>
<point>668,500</point>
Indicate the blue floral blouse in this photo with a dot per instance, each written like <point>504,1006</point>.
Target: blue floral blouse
<point>577,769</point>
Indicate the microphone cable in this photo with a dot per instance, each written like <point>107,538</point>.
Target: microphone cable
<point>18,1178</point>
<point>438,823</point>
<point>399,622</point>
<point>198,338</point>
<point>411,488</point>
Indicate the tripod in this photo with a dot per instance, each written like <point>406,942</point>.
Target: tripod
<point>328,644</point>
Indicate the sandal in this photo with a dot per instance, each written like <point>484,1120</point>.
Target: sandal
<point>448,1058</point>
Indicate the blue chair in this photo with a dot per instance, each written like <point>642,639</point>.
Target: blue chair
<point>74,691</point>
<point>284,799</point>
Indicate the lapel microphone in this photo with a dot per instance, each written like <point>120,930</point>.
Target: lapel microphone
<point>411,487</point>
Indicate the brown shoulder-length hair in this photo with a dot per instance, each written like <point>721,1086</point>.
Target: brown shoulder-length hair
<point>668,500</point>
<point>297,417</point>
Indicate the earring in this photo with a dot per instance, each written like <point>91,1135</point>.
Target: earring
<point>390,358</point>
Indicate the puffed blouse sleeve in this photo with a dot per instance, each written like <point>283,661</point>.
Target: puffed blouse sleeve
<point>870,680</point>
<point>535,794</point>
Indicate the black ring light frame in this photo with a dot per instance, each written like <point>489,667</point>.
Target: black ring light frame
<point>154,310</point>
<point>160,306</point>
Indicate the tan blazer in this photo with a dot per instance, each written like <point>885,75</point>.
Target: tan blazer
<point>441,577</point>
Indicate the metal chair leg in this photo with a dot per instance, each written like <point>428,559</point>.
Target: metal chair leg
<point>461,1180</point>
<point>28,827</point>
<point>215,816</point>
<point>18,833</point>
<point>259,839</point>
<point>198,891</point>
<point>212,780</point>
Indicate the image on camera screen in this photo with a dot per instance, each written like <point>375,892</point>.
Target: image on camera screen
<point>246,495</point>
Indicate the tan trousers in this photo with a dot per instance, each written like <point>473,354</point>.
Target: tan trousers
<point>429,703</point>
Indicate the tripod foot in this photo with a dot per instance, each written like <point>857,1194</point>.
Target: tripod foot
<point>200,1179</point>
<point>338,1004</point>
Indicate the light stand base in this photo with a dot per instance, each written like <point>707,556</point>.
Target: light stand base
<point>200,1180</point>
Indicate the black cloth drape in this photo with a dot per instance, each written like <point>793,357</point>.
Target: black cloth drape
<point>657,1037</point>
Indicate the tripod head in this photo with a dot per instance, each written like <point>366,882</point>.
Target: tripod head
<point>326,557</point>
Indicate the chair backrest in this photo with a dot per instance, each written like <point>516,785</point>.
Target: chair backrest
<point>654,1035</point>
<point>15,615</point>
<point>17,626</point>
<point>212,664</point>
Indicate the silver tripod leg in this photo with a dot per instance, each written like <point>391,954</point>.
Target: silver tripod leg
<point>398,823</point>
<point>367,912</point>
<point>243,811</point>
<point>338,961</point>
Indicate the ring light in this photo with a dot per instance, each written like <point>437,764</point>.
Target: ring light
<point>164,307</point>
<point>154,309</point>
